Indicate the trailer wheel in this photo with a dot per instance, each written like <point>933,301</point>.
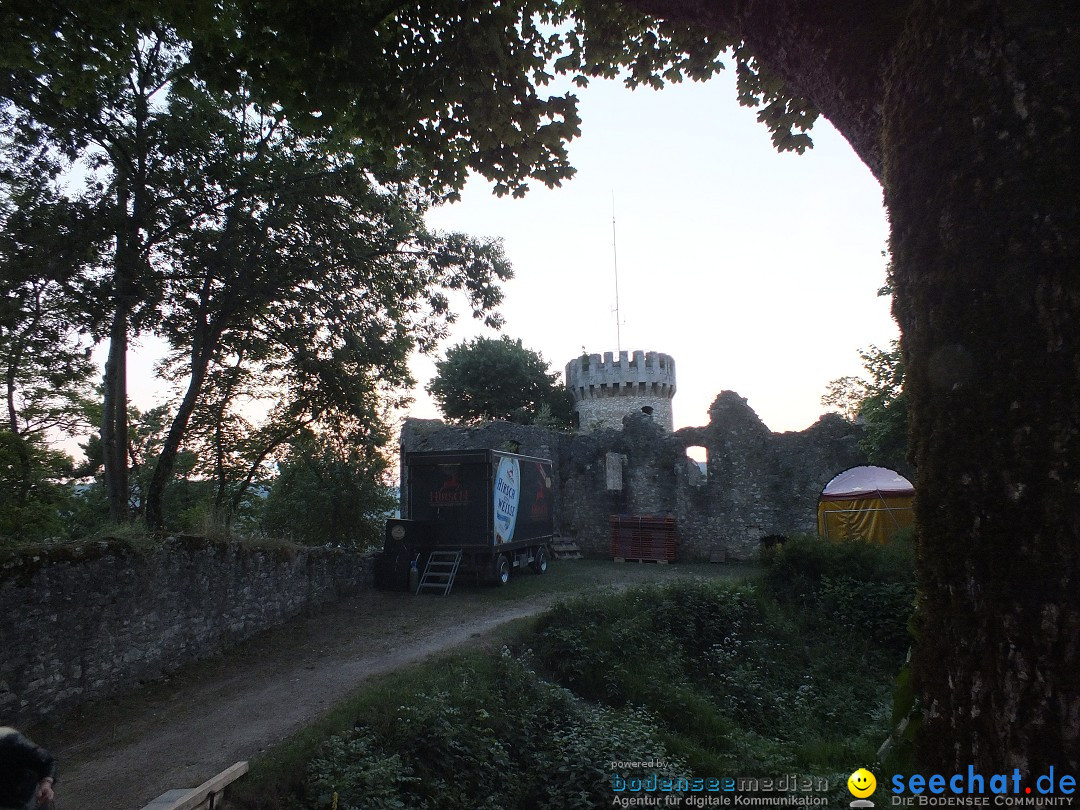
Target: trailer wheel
<point>502,570</point>
<point>540,561</point>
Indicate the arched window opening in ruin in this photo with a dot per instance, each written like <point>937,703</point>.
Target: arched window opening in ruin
<point>697,465</point>
<point>647,410</point>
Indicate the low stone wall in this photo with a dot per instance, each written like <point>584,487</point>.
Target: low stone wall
<point>82,622</point>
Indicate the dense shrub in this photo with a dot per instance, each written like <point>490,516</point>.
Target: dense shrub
<point>32,493</point>
<point>740,676</point>
<point>859,591</point>
<point>501,737</point>
<point>792,675</point>
<point>329,491</point>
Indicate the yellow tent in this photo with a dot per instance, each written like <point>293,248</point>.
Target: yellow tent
<point>865,503</point>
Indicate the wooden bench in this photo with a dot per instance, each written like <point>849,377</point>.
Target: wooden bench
<point>209,795</point>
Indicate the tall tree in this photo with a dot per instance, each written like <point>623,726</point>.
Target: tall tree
<point>313,268</point>
<point>90,87</point>
<point>328,330</point>
<point>966,112</point>
<point>497,378</point>
<point>46,320</point>
<point>434,89</point>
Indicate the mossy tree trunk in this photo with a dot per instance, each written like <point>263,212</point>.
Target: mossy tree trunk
<point>982,183</point>
<point>977,108</point>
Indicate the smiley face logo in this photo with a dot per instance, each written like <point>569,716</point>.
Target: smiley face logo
<point>861,783</point>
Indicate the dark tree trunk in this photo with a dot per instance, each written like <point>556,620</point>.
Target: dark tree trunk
<point>22,450</point>
<point>982,180</point>
<point>205,339</point>
<point>166,462</point>
<point>130,276</point>
<point>114,436</point>
<point>204,344</point>
<point>114,419</point>
<point>968,113</point>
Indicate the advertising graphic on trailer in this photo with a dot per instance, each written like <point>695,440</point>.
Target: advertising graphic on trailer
<point>507,498</point>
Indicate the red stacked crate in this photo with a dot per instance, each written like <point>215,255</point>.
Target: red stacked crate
<point>646,538</point>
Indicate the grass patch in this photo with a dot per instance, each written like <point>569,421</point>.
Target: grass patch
<point>727,669</point>
<point>591,575</point>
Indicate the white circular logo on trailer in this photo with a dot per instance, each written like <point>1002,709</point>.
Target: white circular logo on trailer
<point>507,497</point>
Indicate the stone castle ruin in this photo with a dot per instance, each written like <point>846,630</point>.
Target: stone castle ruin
<point>625,458</point>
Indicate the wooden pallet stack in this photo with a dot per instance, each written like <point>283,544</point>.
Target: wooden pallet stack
<point>643,538</point>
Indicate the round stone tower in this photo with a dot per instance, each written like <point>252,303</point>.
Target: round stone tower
<point>607,390</point>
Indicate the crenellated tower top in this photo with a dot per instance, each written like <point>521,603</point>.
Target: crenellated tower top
<point>607,389</point>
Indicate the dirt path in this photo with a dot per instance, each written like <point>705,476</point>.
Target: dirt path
<point>120,754</point>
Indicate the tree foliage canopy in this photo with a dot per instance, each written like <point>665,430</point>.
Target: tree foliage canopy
<point>877,400</point>
<point>259,172</point>
<point>488,378</point>
<point>329,489</point>
<point>248,181</point>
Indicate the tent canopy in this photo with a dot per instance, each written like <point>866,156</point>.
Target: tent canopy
<point>865,503</point>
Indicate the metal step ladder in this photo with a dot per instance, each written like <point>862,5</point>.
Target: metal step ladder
<point>439,572</point>
<point>564,549</point>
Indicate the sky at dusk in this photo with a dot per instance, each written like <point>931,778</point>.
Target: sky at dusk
<point>757,271</point>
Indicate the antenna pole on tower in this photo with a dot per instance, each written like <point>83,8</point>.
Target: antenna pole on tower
<point>615,260</point>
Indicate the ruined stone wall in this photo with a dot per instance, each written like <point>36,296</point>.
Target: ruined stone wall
<point>757,484</point>
<point>84,622</point>
<point>613,472</point>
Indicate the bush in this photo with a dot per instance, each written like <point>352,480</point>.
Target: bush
<point>32,492</point>
<point>860,591</point>
<point>353,767</point>
<point>736,681</point>
<point>712,678</point>
<point>329,491</point>
<point>501,737</point>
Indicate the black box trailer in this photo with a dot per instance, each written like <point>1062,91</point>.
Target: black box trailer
<point>496,508</point>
